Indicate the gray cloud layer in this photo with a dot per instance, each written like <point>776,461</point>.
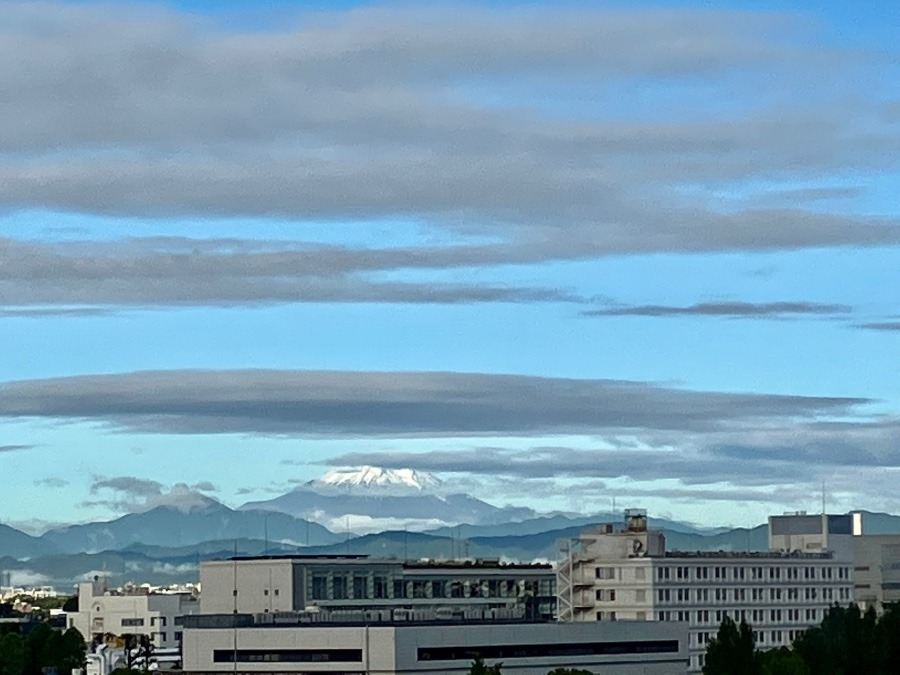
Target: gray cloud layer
<point>180,271</point>
<point>882,325</point>
<point>14,448</point>
<point>342,403</point>
<point>731,309</point>
<point>376,113</point>
<point>772,454</point>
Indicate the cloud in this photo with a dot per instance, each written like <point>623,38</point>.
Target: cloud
<point>390,404</point>
<point>51,482</point>
<point>175,271</point>
<point>44,312</point>
<point>128,485</point>
<point>141,494</point>
<point>881,325</point>
<point>14,448</point>
<point>730,309</point>
<point>769,455</point>
<point>375,114</point>
<point>26,578</point>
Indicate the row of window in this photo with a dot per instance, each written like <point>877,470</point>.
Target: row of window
<point>556,650</point>
<point>766,595</point>
<point>750,573</point>
<point>715,617</point>
<point>346,587</point>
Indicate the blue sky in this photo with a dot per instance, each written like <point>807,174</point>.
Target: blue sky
<point>645,251</point>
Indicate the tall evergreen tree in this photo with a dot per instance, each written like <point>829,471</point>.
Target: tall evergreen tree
<point>732,651</point>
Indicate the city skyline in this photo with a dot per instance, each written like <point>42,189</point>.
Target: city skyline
<point>555,254</point>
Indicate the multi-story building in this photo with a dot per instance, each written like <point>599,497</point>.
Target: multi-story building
<point>815,533</point>
<point>876,557</point>
<point>305,643</point>
<point>157,615</point>
<point>876,570</point>
<point>610,574</point>
<point>272,584</point>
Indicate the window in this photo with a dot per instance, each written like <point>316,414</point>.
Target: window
<point>339,587</point>
<point>381,586</point>
<point>605,573</point>
<point>287,655</point>
<point>319,587</point>
<point>132,622</point>
<point>178,635</point>
<point>360,588</point>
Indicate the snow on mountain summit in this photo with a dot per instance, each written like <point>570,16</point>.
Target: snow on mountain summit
<point>376,477</point>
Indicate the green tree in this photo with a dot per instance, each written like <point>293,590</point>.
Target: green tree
<point>782,661</point>
<point>887,637</point>
<point>12,654</point>
<point>845,643</point>
<point>479,668</point>
<point>74,651</point>
<point>732,651</point>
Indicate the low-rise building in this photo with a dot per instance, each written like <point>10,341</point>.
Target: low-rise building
<point>298,643</point>
<point>293,583</point>
<point>157,615</point>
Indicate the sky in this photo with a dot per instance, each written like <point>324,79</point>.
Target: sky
<point>558,254</point>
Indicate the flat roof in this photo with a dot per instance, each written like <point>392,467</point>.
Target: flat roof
<point>750,555</point>
<point>437,564</point>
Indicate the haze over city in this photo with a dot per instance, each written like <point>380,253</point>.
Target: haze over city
<point>553,254</point>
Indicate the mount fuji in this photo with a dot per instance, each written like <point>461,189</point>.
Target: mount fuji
<point>402,481</point>
<point>369,499</point>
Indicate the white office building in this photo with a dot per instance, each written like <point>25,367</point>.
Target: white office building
<point>103,612</point>
<point>610,574</point>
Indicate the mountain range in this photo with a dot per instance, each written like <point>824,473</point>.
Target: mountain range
<point>370,499</point>
<point>164,544</point>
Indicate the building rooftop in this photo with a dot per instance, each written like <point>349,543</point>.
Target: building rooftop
<point>424,563</point>
<point>752,555</point>
<point>383,617</point>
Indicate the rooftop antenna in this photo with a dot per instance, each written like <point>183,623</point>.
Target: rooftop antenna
<point>823,496</point>
<point>614,505</point>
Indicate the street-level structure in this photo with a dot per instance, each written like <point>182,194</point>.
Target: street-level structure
<point>266,644</point>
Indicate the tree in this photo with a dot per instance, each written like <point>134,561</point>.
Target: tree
<point>782,661</point>
<point>12,654</point>
<point>74,651</point>
<point>479,668</point>
<point>569,671</point>
<point>732,651</point>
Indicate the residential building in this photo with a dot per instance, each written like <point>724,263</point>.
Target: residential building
<point>293,583</point>
<point>157,615</point>
<point>610,574</point>
<point>298,643</point>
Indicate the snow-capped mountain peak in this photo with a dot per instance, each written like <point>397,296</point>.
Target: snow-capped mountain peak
<point>376,477</point>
